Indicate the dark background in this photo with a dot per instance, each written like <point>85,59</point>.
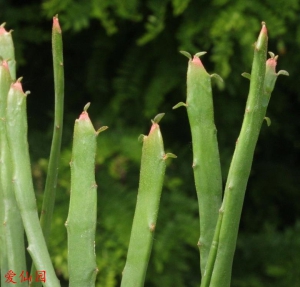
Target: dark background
<point>122,56</point>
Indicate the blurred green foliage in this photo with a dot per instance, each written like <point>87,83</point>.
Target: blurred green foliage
<point>123,57</point>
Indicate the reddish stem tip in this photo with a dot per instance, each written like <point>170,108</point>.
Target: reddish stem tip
<point>18,85</point>
<point>84,116</point>
<point>2,30</point>
<point>56,25</point>
<point>153,128</point>
<point>196,60</point>
<point>272,62</point>
<point>264,28</point>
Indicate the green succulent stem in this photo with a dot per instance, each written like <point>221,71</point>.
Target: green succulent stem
<point>241,165</point>
<point>205,281</point>
<point>53,166</point>
<point>12,225</point>
<point>51,180</point>
<point>82,217</point>
<point>16,126</point>
<point>153,165</point>
<point>206,159</point>
<point>7,50</point>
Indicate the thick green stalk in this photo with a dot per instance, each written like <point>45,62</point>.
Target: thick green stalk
<point>51,180</point>
<point>240,166</point>
<point>82,217</point>
<point>12,223</point>
<point>4,88</point>
<point>3,248</point>
<point>206,159</point>
<point>7,51</point>
<point>16,125</point>
<point>151,180</point>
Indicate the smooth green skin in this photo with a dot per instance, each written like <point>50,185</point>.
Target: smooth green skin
<point>16,126</point>
<point>4,88</point>
<point>206,159</point>
<point>205,280</point>
<point>240,167</point>
<point>82,217</point>
<point>7,51</point>
<point>12,222</point>
<point>152,172</point>
<point>51,180</point>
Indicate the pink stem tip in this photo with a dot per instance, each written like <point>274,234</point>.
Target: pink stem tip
<point>56,25</point>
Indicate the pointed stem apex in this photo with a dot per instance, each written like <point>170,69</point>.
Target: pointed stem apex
<point>56,25</point>
<point>262,38</point>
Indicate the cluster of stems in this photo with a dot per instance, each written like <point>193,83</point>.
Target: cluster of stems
<point>219,223</point>
<point>219,213</point>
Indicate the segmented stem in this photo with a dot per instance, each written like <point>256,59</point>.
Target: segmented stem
<point>152,172</point>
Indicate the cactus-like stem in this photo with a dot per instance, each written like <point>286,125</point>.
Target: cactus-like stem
<point>7,50</point>
<point>51,180</point>
<point>82,217</point>
<point>153,164</point>
<point>206,159</point>
<point>16,125</point>
<point>12,225</point>
<point>262,83</point>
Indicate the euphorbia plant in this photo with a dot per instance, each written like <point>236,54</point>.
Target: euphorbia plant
<point>219,217</point>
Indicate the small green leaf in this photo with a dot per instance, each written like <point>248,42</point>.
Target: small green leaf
<point>247,76</point>
<point>169,155</point>
<point>141,138</point>
<point>283,72</point>
<point>180,104</point>
<point>272,55</point>
<point>187,54</point>
<point>158,118</point>
<point>217,77</point>
<point>199,54</point>
<point>268,120</point>
<point>102,129</point>
<point>86,106</point>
